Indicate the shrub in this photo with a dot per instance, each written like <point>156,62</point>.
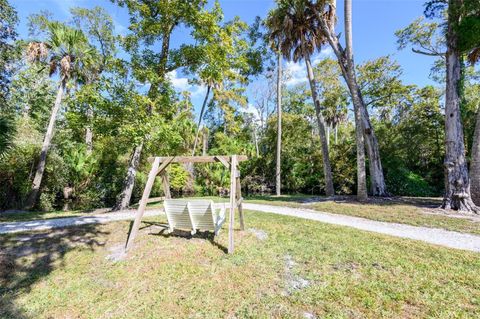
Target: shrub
<point>401,181</point>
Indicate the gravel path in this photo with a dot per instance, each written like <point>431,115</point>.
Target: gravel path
<point>430,235</point>
<point>34,225</point>
<point>435,236</point>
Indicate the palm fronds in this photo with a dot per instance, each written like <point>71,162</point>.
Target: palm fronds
<point>7,132</point>
<point>294,27</point>
<point>67,47</point>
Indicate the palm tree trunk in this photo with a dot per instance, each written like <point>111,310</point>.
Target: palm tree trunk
<point>327,170</point>
<point>124,198</point>
<point>200,119</point>
<point>278,169</point>
<point>457,184</point>
<point>378,186</point>
<point>336,134</point>
<point>37,180</point>
<point>345,60</point>
<point>328,136</point>
<point>205,142</point>
<point>88,130</point>
<point>475,163</point>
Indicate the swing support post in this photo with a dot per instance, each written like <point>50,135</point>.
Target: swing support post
<point>159,166</point>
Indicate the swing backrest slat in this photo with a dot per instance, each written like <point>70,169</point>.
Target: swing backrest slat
<point>177,214</point>
<point>202,214</point>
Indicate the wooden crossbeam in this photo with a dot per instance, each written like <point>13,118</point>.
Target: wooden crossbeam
<point>196,159</point>
<point>225,162</point>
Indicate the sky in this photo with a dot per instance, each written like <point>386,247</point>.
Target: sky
<point>374,25</point>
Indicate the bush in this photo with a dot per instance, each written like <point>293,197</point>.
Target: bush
<point>401,181</point>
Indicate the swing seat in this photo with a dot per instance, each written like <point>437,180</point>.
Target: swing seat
<point>193,215</point>
<point>177,214</point>
<point>204,217</point>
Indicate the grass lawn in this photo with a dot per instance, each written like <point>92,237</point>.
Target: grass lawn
<point>302,268</point>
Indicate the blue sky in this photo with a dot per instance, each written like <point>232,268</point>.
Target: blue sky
<point>374,24</point>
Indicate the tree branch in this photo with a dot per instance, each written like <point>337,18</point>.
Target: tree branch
<point>427,53</point>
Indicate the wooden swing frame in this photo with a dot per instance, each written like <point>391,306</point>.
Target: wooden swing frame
<point>159,165</point>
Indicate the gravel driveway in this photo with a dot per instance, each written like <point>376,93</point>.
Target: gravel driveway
<point>434,236</point>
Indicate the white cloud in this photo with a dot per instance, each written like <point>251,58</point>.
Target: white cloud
<point>181,84</point>
<point>296,72</point>
<point>256,114</point>
<point>324,54</point>
<point>327,52</point>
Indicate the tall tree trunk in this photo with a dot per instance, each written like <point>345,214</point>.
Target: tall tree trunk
<point>205,142</point>
<point>345,60</point>
<point>378,187</point>
<point>47,141</point>
<point>200,120</point>
<point>278,168</point>
<point>255,139</point>
<point>336,134</point>
<point>327,170</point>
<point>88,130</point>
<point>475,163</point>
<point>328,136</point>
<point>123,200</point>
<point>457,184</point>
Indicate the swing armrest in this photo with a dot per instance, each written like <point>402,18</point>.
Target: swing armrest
<point>219,220</point>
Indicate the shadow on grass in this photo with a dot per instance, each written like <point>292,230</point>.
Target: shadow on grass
<point>299,198</point>
<point>421,202</point>
<point>27,258</point>
<point>206,235</point>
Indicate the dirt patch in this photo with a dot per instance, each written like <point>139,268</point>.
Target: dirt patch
<point>309,315</point>
<point>117,253</point>
<point>293,282</point>
<point>259,233</point>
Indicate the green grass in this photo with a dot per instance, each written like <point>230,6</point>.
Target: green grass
<point>351,274</point>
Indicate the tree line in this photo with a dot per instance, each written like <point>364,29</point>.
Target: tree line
<point>83,107</point>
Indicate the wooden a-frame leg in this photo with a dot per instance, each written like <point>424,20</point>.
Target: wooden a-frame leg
<point>166,184</point>
<point>143,203</point>
<point>239,200</point>
<point>233,204</point>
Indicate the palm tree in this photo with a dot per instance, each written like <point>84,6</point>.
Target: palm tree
<point>65,49</point>
<point>294,28</point>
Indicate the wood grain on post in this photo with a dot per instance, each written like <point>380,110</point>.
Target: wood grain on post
<point>239,200</point>
<point>166,185</point>
<point>233,186</point>
<point>143,203</point>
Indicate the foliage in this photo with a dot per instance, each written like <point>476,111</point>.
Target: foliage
<point>8,52</point>
<point>7,131</point>
<point>120,89</point>
<point>332,92</point>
